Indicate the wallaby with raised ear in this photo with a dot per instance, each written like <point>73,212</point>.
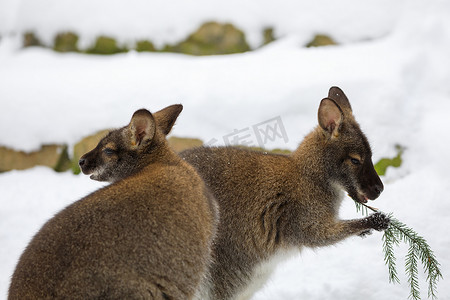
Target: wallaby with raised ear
<point>272,205</point>
<point>145,236</point>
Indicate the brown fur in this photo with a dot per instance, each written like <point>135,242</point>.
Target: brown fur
<point>146,236</point>
<point>270,204</point>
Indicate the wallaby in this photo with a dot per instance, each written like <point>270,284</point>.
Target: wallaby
<point>147,235</point>
<point>271,205</point>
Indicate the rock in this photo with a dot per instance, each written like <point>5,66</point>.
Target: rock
<point>66,42</point>
<point>105,45</point>
<point>321,40</point>
<point>57,156</point>
<point>268,35</point>
<point>212,38</point>
<point>145,46</point>
<point>30,39</point>
<point>53,156</point>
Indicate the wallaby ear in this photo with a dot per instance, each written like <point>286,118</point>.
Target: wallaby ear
<point>142,128</point>
<point>340,98</point>
<point>330,116</point>
<point>166,117</point>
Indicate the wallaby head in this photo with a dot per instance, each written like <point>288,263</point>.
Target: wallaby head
<point>346,151</point>
<point>124,151</point>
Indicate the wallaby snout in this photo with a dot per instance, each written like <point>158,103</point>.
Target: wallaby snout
<point>371,182</point>
<point>99,162</point>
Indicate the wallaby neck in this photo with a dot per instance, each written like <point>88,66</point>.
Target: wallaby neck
<point>160,151</point>
<point>312,163</point>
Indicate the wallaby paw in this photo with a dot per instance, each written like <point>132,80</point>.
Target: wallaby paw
<point>379,221</point>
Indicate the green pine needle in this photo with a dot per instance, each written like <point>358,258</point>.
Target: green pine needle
<point>389,240</point>
<point>418,250</point>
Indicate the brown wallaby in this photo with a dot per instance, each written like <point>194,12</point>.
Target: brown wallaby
<point>271,205</point>
<point>146,236</point>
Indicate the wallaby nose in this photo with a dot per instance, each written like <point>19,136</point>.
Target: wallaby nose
<point>81,162</point>
<point>377,189</point>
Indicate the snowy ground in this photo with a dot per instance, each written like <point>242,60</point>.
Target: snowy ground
<point>394,67</point>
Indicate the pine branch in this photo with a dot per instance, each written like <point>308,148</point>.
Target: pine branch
<point>362,208</point>
<point>418,250</point>
<point>411,271</point>
<point>389,240</point>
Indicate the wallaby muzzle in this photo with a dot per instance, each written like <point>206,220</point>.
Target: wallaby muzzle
<point>370,182</point>
<point>87,162</point>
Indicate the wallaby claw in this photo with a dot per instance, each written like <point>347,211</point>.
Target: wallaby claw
<point>379,221</point>
<point>365,233</point>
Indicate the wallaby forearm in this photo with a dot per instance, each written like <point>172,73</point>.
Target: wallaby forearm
<point>336,231</point>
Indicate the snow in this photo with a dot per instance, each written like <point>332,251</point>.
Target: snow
<point>393,65</point>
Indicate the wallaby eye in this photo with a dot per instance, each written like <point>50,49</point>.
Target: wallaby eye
<point>355,161</point>
<point>108,151</point>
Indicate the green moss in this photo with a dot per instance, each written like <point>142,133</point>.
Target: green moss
<point>64,163</point>
<point>76,169</point>
<point>106,45</point>
<point>210,39</point>
<point>66,42</point>
<point>30,39</point>
<point>382,165</point>
<point>321,40</point>
<point>145,46</point>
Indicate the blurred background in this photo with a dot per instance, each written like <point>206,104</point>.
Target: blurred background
<point>248,73</point>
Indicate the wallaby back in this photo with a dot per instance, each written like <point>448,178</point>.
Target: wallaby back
<point>271,205</point>
<point>146,236</point>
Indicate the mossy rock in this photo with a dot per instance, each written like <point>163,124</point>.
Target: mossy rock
<point>64,163</point>
<point>212,38</point>
<point>145,46</point>
<point>382,165</point>
<point>66,42</point>
<point>179,144</point>
<point>53,156</point>
<point>106,46</point>
<point>280,151</point>
<point>85,145</point>
<point>268,35</point>
<point>30,39</point>
<point>260,149</point>
<point>321,40</point>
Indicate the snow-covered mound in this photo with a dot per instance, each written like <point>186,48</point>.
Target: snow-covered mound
<point>170,21</point>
